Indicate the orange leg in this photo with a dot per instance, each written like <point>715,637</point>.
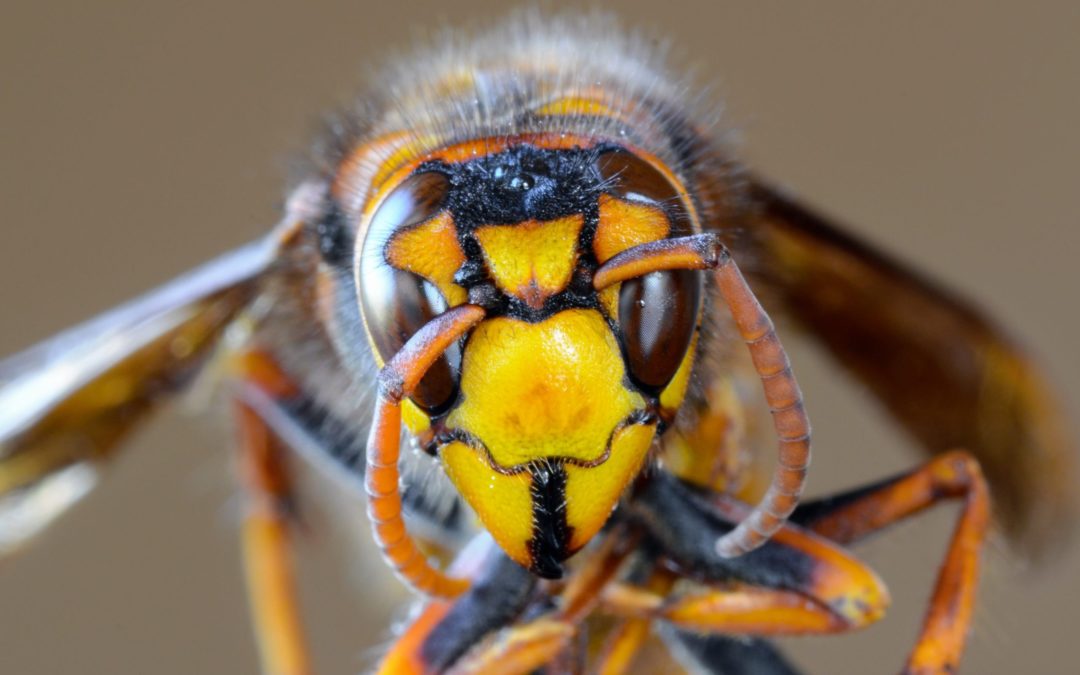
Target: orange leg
<point>954,475</point>
<point>476,632</point>
<point>623,643</point>
<point>268,563</point>
<point>849,516</point>
<point>629,635</point>
<point>824,590</point>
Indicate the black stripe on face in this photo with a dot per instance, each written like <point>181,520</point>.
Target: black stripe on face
<point>551,532</point>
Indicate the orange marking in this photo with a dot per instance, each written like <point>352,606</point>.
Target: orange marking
<point>591,101</point>
<point>412,152</point>
<point>364,173</point>
<point>839,580</point>
<point>625,224</point>
<point>431,250</point>
<point>357,173</point>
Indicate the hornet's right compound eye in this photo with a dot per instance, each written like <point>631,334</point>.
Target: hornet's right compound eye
<point>395,303</point>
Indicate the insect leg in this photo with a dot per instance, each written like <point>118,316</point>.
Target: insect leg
<point>850,516</point>
<point>697,651</point>
<point>499,592</point>
<point>628,636</point>
<point>797,583</point>
<point>476,633</point>
<point>268,563</point>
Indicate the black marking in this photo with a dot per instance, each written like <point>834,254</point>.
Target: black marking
<point>518,184</point>
<point>335,236</point>
<point>521,183</point>
<point>471,273</point>
<point>809,512</point>
<point>680,517</point>
<point>496,598</point>
<point>551,532</point>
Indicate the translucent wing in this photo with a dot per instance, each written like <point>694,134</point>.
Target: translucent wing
<point>945,371</point>
<point>67,402</point>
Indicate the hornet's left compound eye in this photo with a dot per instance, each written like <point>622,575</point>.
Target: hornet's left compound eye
<point>396,303</point>
<point>658,313</point>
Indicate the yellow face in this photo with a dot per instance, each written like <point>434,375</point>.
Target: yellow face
<point>545,414</point>
<point>559,393</point>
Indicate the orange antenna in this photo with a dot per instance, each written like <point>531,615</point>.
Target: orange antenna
<point>705,251</point>
<point>398,379</point>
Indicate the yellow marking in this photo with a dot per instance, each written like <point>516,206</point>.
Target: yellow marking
<point>672,395</point>
<point>532,260</point>
<point>609,300</point>
<point>592,492</point>
<point>431,250</point>
<point>503,502</point>
<point>625,224</point>
<point>574,105</point>
<point>414,418</point>
<point>549,389</point>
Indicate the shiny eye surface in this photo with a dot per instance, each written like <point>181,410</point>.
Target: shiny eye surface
<point>395,303</point>
<point>627,176</point>
<point>658,313</point>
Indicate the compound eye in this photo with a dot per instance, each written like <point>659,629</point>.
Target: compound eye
<point>395,303</point>
<point>629,177</point>
<point>658,313</point>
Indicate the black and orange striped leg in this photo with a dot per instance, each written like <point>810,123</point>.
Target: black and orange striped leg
<point>798,583</point>
<point>265,531</point>
<point>848,517</point>
<point>698,652</point>
<point>504,623</point>
<point>499,590</point>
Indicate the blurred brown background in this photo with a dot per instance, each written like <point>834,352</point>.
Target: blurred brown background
<point>137,142</point>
